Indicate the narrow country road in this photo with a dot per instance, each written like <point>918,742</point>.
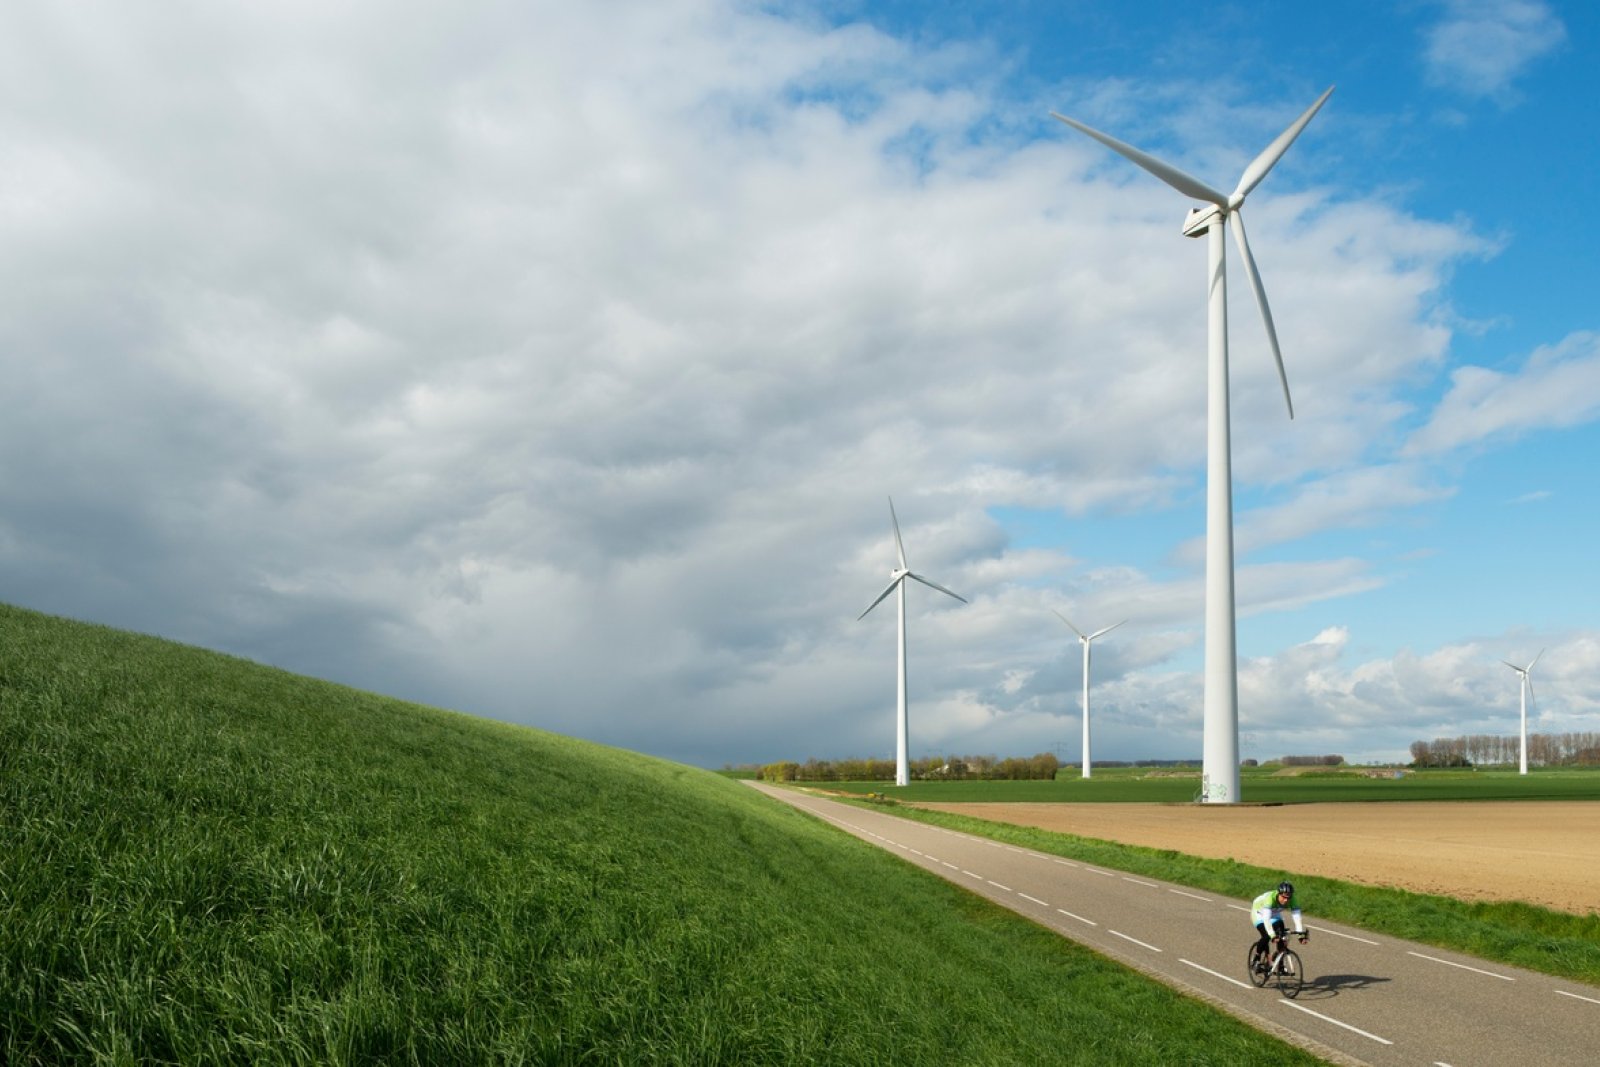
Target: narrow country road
<point>1368,998</point>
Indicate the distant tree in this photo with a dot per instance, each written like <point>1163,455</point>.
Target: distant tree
<point>780,772</point>
<point>815,770</point>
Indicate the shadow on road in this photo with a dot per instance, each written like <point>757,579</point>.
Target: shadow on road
<point>1331,985</point>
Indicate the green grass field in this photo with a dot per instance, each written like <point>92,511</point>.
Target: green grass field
<point>203,860</point>
<point>1135,785</point>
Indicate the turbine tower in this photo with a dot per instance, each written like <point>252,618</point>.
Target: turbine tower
<point>1087,640</point>
<point>897,583</point>
<point>1525,674</point>
<point>1220,767</point>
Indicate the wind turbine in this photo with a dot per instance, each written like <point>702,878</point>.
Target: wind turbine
<point>1220,766</point>
<point>1527,687</point>
<point>1087,640</point>
<point>897,581</point>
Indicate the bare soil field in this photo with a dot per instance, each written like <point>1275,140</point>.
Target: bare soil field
<point>1542,853</point>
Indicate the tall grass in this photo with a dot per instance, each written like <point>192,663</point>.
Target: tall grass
<point>203,860</point>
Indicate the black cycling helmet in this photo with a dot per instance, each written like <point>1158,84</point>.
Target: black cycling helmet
<point>1286,888</point>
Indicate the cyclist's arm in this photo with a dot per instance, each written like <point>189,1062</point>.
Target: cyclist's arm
<point>1299,927</point>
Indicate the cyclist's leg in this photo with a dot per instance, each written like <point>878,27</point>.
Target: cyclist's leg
<point>1263,941</point>
<point>1278,929</point>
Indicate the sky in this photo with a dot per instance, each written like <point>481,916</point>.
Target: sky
<point>556,363</point>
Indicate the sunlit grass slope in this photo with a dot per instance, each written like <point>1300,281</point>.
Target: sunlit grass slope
<point>203,860</point>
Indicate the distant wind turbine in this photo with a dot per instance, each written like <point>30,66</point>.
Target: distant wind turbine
<point>897,582</point>
<point>1525,673</point>
<point>1087,640</point>
<point>1220,766</point>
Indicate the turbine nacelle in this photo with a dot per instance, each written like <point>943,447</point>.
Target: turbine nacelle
<point>1201,219</point>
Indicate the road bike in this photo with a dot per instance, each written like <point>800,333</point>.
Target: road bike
<point>1283,966</point>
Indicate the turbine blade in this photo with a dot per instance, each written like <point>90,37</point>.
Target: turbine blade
<point>1075,630</point>
<point>936,585</point>
<point>1535,659</point>
<point>899,547</point>
<point>1261,302</point>
<point>1270,155</point>
<point>881,595</point>
<point>1513,666</point>
<point>1106,630</point>
<point>1184,183</point>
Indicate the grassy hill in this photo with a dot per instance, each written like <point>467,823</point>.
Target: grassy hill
<point>206,860</point>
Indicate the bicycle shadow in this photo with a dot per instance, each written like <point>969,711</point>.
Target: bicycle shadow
<point>1327,986</point>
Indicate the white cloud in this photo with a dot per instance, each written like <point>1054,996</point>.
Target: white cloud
<point>1480,47</point>
<point>1557,387</point>
<point>1354,498</point>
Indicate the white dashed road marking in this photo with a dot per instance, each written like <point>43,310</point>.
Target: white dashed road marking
<point>1214,974</point>
<point>1347,937</point>
<point>1463,966</point>
<point>1336,1022</point>
<point>1135,940</point>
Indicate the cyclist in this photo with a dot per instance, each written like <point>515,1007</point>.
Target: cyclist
<point>1266,911</point>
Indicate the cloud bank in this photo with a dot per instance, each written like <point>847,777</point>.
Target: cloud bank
<point>555,362</point>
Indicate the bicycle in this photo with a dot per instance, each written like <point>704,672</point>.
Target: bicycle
<point>1284,965</point>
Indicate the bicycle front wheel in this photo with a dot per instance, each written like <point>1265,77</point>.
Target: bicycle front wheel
<point>1290,977</point>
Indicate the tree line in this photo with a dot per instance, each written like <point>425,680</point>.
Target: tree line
<point>929,768</point>
<point>1581,749</point>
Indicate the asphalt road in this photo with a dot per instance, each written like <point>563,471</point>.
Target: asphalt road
<point>1368,998</point>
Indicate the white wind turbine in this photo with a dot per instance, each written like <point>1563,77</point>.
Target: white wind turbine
<point>1220,766</point>
<point>1087,640</point>
<point>1525,673</point>
<point>897,581</point>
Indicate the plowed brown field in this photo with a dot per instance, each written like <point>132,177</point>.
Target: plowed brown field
<point>1544,853</point>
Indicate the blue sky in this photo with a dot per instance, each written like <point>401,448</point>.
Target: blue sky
<point>555,362</point>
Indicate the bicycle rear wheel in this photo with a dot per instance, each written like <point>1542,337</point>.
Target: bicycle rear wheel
<point>1253,964</point>
<point>1290,976</point>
